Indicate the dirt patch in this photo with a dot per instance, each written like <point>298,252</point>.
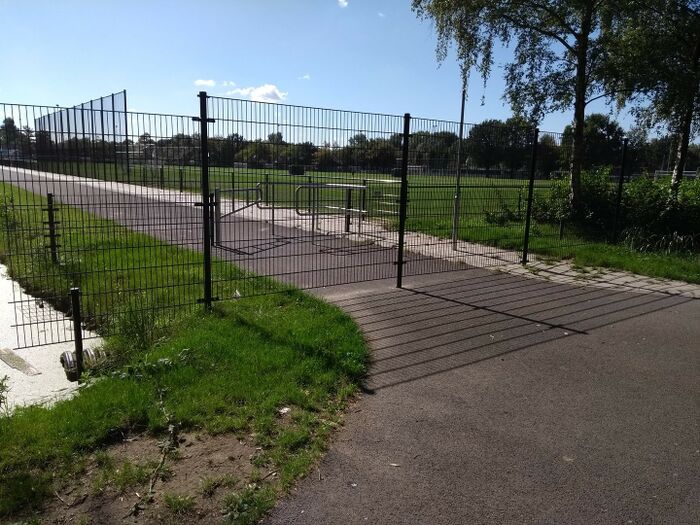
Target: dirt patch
<point>189,487</point>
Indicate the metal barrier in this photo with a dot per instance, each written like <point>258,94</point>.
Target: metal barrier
<point>315,206</point>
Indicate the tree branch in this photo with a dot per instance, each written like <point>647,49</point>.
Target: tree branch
<point>609,94</point>
<point>562,21</point>
<point>550,34</point>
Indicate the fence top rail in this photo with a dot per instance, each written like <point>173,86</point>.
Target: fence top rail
<point>95,109</point>
<point>414,119</point>
<point>293,106</point>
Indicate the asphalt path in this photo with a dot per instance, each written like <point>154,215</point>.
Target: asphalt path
<point>494,398</point>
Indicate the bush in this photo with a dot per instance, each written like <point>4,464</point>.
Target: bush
<point>296,169</point>
<point>643,203</point>
<point>646,220</point>
<point>552,206</point>
<point>648,215</point>
<point>504,214</point>
<point>598,199</point>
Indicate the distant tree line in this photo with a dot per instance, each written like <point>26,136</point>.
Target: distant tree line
<point>491,146</point>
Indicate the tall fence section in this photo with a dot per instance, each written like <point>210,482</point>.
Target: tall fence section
<point>242,196</point>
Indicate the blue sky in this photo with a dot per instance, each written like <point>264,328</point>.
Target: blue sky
<point>366,55</point>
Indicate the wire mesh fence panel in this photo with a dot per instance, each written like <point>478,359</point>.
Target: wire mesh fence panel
<point>75,213</point>
<point>551,229</point>
<point>305,195</point>
<point>468,197</point>
<point>152,214</point>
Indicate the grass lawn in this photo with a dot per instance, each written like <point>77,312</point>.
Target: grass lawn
<point>228,371</point>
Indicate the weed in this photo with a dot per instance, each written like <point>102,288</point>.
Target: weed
<point>210,485</point>
<point>4,389</point>
<point>179,504</point>
<point>248,506</point>
<point>121,476</point>
<point>9,219</point>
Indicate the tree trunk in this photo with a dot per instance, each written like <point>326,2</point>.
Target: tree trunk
<point>577,156</point>
<point>685,125</point>
<point>582,42</point>
<point>681,156</point>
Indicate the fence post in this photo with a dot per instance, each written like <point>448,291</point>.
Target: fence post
<point>53,236</point>
<point>206,201</point>
<point>126,140</point>
<point>363,201</point>
<point>212,224</point>
<point>620,183</point>
<point>217,217</point>
<point>403,199</point>
<point>457,205</point>
<point>77,328</point>
<point>530,189</point>
<point>348,206</point>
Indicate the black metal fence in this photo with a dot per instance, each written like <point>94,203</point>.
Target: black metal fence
<point>147,212</point>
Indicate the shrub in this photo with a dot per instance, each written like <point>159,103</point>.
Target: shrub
<point>643,203</point>
<point>296,169</point>
<point>647,222</point>
<point>552,205</point>
<point>650,220</point>
<point>504,214</point>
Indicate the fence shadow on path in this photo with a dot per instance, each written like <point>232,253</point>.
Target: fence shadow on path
<point>429,329</point>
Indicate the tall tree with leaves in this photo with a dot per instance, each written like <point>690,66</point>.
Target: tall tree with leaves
<point>603,138</point>
<point>655,66</point>
<point>558,58</point>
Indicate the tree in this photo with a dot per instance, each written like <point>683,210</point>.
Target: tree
<point>381,154</point>
<point>275,138</point>
<point>486,142</point>
<point>602,140</point>
<point>325,159</point>
<point>256,154</point>
<point>223,150</point>
<point>146,138</point>
<point>518,141</point>
<point>355,154</point>
<point>305,153</point>
<point>9,133</point>
<point>549,158</point>
<point>43,144</point>
<point>557,64</point>
<point>657,69</point>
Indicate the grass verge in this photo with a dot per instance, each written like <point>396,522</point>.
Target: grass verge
<point>230,370</point>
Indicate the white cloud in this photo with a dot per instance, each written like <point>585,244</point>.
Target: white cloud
<point>304,77</point>
<point>228,83</point>
<point>263,93</point>
<point>343,3</point>
<point>381,15</point>
<point>205,83</point>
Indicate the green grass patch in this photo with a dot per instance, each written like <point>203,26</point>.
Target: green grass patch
<point>179,504</point>
<point>230,370</point>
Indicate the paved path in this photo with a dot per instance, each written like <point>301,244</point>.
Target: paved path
<point>500,399</point>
